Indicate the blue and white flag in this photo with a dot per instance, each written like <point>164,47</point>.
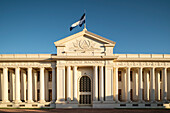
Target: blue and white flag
<point>78,23</point>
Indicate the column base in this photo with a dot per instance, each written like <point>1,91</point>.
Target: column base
<point>17,101</point>
<point>5,101</point>
<point>73,102</point>
<point>60,101</point>
<point>117,101</point>
<point>42,101</point>
<point>96,102</point>
<point>30,101</point>
<point>129,101</point>
<point>53,101</point>
<point>153,101</point>
<point>109,102</point>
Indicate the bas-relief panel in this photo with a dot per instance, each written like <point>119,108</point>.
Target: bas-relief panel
<point>83,45</point>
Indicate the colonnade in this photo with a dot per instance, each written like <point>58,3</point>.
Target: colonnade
<point>22,88</point>
<point>148,84</point>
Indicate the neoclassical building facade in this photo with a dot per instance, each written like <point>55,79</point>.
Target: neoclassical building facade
<point>85,73</point>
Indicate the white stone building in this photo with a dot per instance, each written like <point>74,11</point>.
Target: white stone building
<point>85,72</point>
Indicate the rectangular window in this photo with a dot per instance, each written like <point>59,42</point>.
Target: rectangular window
<point>131,76</point>
<point>50,94</point>
<point>38,95</point>
<point>119,76</point>
<point>160,94</point>
<point>160,76</point>
<point>38,76</point>
<point>143,76</point>
<point>50,76</point>
<point>131,94</point>
<point>8,76</point>
<point>120,94</point>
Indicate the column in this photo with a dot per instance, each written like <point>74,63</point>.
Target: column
<point>1,84</point>
<point>124,84</point>
<point>53,85</point>
<point>5,88</point>
<point>75,98</point>
<point>101,84</point>
<point>109,83</point>
<point>60,83</point>
<point>35,86</point>
<point>23,82</point>
<point>42,99</point>
<point>95,82</point>
<point>158,85</point>
<point>68,83</point>
<point>116,84</point>
<point>140,96</point>
<point>128,84</point>
<point>146,85</point>
<point>152,84</point>
<point>135,85</point>
<point>46,86</point>
<point>164,84</point>
<point>17,85</point>
<point>30,85</point>
<point>12,85</point>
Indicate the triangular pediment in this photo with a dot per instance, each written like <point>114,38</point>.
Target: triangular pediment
<point>84,33</point>
<point>83,42</point>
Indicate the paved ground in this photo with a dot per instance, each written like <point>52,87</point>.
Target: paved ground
<point>85,110</point>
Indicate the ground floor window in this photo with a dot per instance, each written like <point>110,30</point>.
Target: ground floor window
<point>120,95</point>
<point>50,94</point>
<point>38,95</point>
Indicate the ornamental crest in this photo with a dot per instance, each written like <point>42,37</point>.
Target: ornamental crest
<point>84,45</point>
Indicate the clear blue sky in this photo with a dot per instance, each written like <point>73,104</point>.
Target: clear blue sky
<point>32,26</point>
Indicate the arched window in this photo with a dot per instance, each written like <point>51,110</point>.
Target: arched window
<point>85,84</point>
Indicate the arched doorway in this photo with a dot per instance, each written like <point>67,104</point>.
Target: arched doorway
<point>85,90</point>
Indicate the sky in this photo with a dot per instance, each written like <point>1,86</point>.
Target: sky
<point>137,26</point>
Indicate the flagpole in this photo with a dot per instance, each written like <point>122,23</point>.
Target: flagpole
<point>85,19</point>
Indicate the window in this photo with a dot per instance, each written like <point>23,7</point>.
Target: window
<point>160,75</point>
<point>160,94</point>
<point>119,75</point>
<point>142,75</point>
<point>131,94</point>
<point>131,76</point>
<point>50,94</point>
<point>38,76</point>
<point>50,76</point>
<point>8,76</point>
<point>85,84</point>
<point>38,95</point>
<point>119,94</point>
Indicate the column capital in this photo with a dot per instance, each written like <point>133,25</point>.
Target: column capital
<point>17,67</point>
<point>53,67</point>
<point>42,67</point>
<point>5,67</point>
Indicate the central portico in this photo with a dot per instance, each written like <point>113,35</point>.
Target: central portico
<point>81,59</point>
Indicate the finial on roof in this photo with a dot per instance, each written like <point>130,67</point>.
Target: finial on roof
<point>85,27</point>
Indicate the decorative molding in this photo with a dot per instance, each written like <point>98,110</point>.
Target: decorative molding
<point>142,64</point>
<point>84,45</point>
<point>25,64</point>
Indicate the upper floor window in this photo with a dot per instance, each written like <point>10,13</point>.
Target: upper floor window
<point>50,76</point>
<point>38,76</point>
<point>119,75</point>
<point>131,76</point>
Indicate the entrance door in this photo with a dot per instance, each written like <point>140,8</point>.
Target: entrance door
<point>85,90</point>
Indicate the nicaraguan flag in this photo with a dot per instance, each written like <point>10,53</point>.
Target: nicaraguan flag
<point>78,23</point>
